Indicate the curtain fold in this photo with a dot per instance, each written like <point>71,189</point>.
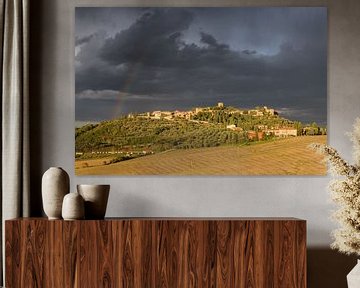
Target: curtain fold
<point>15,111</point>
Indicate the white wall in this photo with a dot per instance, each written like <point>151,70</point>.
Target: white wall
<point>53,117</point>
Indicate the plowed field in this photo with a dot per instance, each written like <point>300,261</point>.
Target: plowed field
<point>279,157</point>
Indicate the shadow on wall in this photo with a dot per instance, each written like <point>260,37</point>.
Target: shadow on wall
<point>36,45</point>
<point>328,268</point>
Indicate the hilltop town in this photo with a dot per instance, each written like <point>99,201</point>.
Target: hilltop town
<point>148,133</point>
<point>256,132</point>
<point>189,115</point>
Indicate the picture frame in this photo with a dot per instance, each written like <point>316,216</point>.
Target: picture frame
<point>176,109</point>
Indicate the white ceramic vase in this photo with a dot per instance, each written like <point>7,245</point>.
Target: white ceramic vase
<point>73,207</point>
<point>55,185</point>
<point>353,278</point>
<point>96,198</point>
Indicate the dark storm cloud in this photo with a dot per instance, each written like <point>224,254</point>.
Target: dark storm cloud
<point>154,58</point>
<point>211,41</point>
<point>154,36</point>
<point>82,40</point>
<point>249,52</point>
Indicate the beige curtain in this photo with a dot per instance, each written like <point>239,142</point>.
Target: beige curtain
<point>14,25</point>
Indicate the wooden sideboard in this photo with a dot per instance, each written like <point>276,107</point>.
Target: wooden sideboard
<point>156,252</point>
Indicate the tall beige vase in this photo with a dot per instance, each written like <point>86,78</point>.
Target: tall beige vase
<point>55,185</point>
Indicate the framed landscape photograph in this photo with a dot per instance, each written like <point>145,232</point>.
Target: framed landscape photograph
<point>200,90</point>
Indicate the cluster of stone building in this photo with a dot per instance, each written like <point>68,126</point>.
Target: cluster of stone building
<point>259,134</point>
<point>280,132</point>
<point>170,115</point>
<point>262,130</point>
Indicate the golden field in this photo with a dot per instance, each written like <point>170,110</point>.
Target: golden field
<point>288,156</point>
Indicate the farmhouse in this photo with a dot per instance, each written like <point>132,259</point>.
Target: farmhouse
<point>282,132</point>
<point>262,111</point>
<point>234,127</point>
<point>156,114</point>
<point>253,135</point>
<point>271,112</point>
<point>256,112</point>
<point>198,109</point>
<point>261,127</point>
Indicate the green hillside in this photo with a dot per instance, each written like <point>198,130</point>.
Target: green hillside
<point>155,135</point>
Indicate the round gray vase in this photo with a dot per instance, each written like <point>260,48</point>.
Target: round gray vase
<point>73,207</point>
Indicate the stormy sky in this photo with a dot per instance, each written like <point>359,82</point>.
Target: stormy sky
<point>145,59</point>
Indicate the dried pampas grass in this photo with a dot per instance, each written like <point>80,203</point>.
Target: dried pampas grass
<point>345,192</point>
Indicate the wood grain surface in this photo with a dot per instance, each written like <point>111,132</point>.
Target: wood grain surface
<point>150,252</point>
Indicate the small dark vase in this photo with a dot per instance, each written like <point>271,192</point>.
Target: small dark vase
<point>96,198</point>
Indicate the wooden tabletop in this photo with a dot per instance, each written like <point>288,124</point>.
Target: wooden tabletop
<point>155,218</point>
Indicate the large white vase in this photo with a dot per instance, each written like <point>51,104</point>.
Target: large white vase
<point>353,278</point>
<point>55,185</point>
